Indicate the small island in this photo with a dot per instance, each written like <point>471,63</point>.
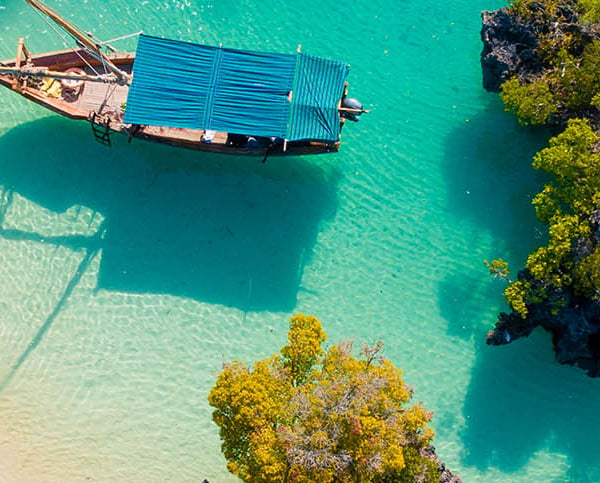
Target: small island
<point>543,57</point>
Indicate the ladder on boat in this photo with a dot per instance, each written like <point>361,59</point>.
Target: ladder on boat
<point>101,129</point>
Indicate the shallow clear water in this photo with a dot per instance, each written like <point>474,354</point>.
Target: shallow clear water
<point>128,275</point>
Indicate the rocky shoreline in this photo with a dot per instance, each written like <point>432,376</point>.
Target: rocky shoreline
<point>510,49</point>
<point>575,327</point>
<point>575,332</point>
<point>446,476</point>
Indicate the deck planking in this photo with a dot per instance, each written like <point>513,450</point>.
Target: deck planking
<point>102,98</point>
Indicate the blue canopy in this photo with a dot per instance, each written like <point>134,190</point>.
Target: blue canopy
<point>180,84</point>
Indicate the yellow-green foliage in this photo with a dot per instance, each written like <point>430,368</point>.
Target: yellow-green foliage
<point>567,84</point>
<point>591,10</point>
<point>517,294</point>
<point>533,103</point>
<point>553,264</point>
<point>313,415</point>
<point>575,80</point>
<point>247,401</point>
<point>304,347</point>
<point>569,78</point>
<point>575,169</point>
<point>498,268</point>
<point>548,10</point>
<point>587,274</point>
<point>552,15</point>
<point>540,10</point>
<point>565,204</point>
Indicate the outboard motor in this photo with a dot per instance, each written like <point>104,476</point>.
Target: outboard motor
<point>352,108</point>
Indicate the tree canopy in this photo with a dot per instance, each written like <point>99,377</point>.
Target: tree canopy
<point>313,414</point>
<point>563,80</point>
<point>570,205</point>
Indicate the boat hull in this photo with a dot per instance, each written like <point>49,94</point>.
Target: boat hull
<point>103,104</point>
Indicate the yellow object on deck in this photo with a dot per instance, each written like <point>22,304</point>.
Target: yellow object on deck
<point>51,87</point>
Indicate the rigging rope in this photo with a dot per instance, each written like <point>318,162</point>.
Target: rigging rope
<point>104,42</point>
<point>64,39</point>
<point>106,70</point>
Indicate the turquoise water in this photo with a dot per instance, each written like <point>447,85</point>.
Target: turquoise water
<point>128,275</point>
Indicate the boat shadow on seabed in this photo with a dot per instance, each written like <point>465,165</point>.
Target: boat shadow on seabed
<point>172,223</point>
<point>222,230</point>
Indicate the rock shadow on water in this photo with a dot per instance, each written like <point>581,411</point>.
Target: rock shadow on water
<point>520,402</point>
<point>223,230</point>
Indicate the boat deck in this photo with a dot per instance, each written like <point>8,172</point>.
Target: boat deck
<point>108,100</point>
<point>101,98</point>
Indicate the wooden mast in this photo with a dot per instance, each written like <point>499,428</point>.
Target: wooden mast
<point>44,72</point>
<point>81,37</point>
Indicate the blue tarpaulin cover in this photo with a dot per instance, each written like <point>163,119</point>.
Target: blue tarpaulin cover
<point>180,84</point>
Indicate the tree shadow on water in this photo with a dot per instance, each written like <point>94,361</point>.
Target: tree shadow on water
<point>223,230</point>
<point>490,184</point>
<point>490,180</point>
<point>521,401</point>
<point>460,298</point>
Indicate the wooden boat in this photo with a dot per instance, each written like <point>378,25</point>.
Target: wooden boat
<point>189,95</point>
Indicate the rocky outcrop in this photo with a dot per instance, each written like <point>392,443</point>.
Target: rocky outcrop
<point>509,46</point>
<point>575,331</point>
<point>573,321</point>
<point>446,476</point>
<point>510,42</point>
